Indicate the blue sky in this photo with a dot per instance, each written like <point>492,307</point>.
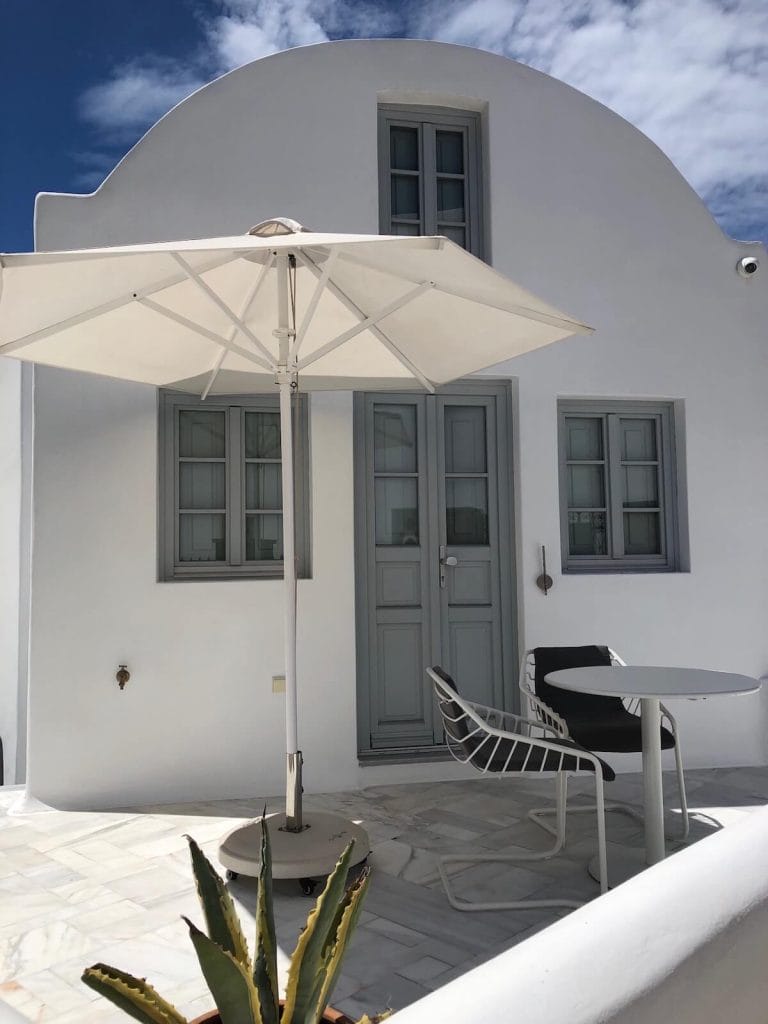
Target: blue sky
<point>85,78</point>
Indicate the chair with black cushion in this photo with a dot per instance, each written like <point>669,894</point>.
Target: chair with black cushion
<point>605,724</point>
<point>500,743</point>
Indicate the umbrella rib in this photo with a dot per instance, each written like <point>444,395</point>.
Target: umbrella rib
<point>105,307</point>
<point>233,318</point>
<point>376,331</point>
<point>463,293</point>
<point>217,339</point>
<point>322,281</point>
<point>213,374</point>
<point>250,299</point>
<point>369,321</point>
<point>530,314</point>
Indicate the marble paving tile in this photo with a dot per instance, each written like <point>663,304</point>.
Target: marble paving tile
<point>39,948</point>
<point>425,969</point>
<point>393,993</point>
<point>154,881</point>
<point>14,994</point>
<point>47,986</point>
<point>15,833</point>
<point>381,926</point>
<point>25,905</point>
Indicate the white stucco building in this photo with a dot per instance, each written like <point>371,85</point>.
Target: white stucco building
<point>635,456</point>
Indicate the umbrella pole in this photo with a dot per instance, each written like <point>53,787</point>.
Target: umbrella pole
<point>288,384</point>
<point>300,849</point>
<point>293,820</point>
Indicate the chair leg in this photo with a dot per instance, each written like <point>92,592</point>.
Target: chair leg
<point>503,858</point>
<point>602,852</point>
<point>681,786</point>
<point>538,814</point>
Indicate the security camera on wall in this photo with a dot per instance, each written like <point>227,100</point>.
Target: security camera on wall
<point>747,266</point>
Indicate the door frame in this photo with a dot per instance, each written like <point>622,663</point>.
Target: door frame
<point>503,390</point>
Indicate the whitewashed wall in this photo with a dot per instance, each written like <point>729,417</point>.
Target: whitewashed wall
<point>584,211</point>
<point>10,506</point>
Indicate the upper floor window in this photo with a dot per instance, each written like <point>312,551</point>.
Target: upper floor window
<point>618,486</point>
<point>430,174</point>
<point>221,500</point>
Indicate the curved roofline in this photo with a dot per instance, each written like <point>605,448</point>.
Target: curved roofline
<point>288,54</point>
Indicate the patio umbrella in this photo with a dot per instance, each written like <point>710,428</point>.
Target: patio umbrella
<point>278,307</point>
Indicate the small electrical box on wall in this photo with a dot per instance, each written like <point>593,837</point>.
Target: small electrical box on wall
<point>278,684</point>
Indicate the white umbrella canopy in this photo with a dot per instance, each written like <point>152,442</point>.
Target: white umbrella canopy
<point>172,313</point>
<point>280,307</point>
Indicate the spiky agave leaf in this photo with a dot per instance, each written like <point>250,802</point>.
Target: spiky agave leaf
<point>133,995</point>
<point>231,985</point>
<point>307,959</point>
<point>265,960</point>
<point>339,936</point>
<point>219,910</point>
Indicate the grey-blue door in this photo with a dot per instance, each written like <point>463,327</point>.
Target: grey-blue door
<point>434,557</point>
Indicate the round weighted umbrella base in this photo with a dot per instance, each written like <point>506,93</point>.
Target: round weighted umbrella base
<point>313,851</point>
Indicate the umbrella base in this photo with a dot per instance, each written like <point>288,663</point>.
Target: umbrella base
<point>313,851</point>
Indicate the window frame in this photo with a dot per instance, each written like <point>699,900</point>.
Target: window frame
<point>434,119</point>
<point>170,569</point>
<point>615,560</point>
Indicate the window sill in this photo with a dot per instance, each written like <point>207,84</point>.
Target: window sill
<point>221,577</point>
<point>403,755</point>
<point>628,570</point>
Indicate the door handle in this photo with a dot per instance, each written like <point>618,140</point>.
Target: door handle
<point>446,560</point>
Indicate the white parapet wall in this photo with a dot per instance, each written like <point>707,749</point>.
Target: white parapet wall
<point>684,942</point>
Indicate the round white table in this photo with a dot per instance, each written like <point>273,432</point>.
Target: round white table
<point>651,685</point>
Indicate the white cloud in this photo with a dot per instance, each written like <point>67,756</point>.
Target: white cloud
<point>691,74</point>
<point>136,95</point>
<point>248,29</point>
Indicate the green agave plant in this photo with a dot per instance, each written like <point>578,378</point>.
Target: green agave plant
<point>245,990</point>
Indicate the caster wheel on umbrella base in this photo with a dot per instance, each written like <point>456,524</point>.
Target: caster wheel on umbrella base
<point>308,886</point>
<point>232,876</point>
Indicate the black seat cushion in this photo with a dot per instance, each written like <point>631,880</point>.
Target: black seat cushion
<point>617,732</point>
<point>480,748</point>
<point>597,723</point>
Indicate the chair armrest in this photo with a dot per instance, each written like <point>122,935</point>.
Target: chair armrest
<point>545,715</point>
<point>508,725</point>
<point>632,705</point>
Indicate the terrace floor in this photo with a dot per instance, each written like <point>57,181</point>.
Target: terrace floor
<point>78,887</point>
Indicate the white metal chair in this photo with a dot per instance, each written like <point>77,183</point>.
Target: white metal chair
<point>605,724</point>
<point>497,742</point>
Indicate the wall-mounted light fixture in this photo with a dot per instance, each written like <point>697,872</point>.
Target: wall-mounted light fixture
<point>544,581</point>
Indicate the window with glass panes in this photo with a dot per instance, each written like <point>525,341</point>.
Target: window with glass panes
<point>618,486</point>
<point>430,173</point>
<point>221,511</point>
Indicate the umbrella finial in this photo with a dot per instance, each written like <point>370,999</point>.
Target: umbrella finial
<point>277,226</point>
